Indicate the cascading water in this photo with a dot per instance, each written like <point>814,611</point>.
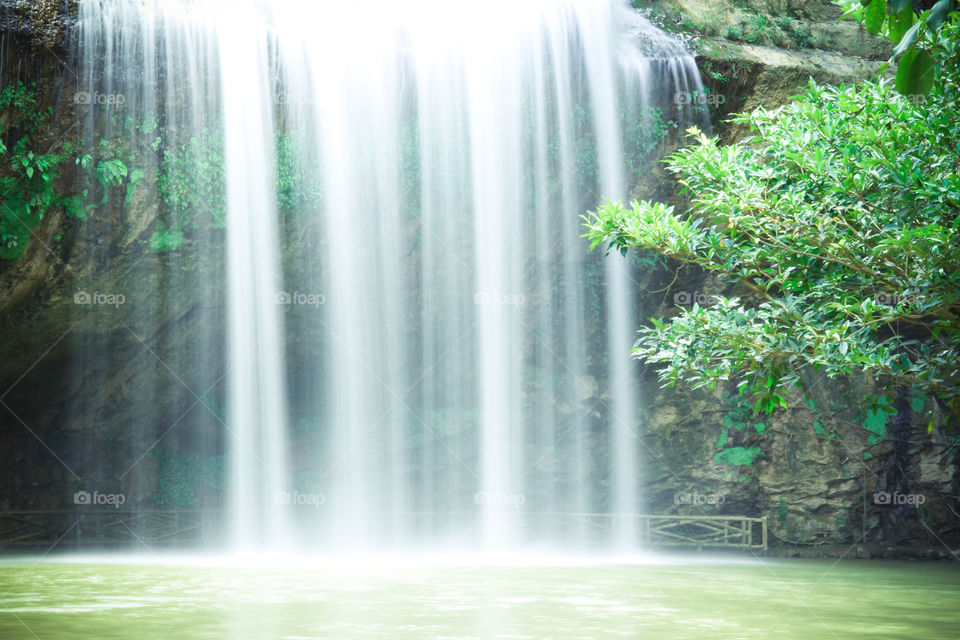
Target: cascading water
<point>420,348</point>
<point>257,401</point>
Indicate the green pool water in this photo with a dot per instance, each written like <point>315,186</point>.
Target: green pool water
<point>676,598</point>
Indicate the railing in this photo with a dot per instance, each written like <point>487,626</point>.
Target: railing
<point>112,528</point>
<point>700,532</point>
<point>705,531</point>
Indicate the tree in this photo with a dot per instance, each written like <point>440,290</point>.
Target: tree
<point>837,223</point>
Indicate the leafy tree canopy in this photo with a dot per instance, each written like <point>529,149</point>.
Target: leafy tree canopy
<point>838,223</point>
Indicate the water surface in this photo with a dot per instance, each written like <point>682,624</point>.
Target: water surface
<point>801,599</point>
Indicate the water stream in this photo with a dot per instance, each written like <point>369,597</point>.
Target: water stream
<point>419,346</point>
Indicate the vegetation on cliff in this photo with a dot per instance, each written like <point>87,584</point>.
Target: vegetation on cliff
<point>838,221</point>
<point>34,178</point>
<point>27,183</point>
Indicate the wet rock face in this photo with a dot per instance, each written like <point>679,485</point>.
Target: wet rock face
<point>78,380</point>
<point>40,23</point>
<point>89,387</point>
<point>819,480</point>
<point>749,76</point>
<point>760,52</point>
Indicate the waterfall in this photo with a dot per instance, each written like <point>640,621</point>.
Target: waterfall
<point>420,350</point>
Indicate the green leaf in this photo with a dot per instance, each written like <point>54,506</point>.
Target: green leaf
<point>899,24</point>
<point>722,439</point>
<point>737,456</point>
<point>916,404</point>
<point>876,423</point>
<point>874,16</point>
<point>163,240</point>
<point>915,73</point>
<point>938,14</point>
<point>136,175</point>
<point>907,39</point>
